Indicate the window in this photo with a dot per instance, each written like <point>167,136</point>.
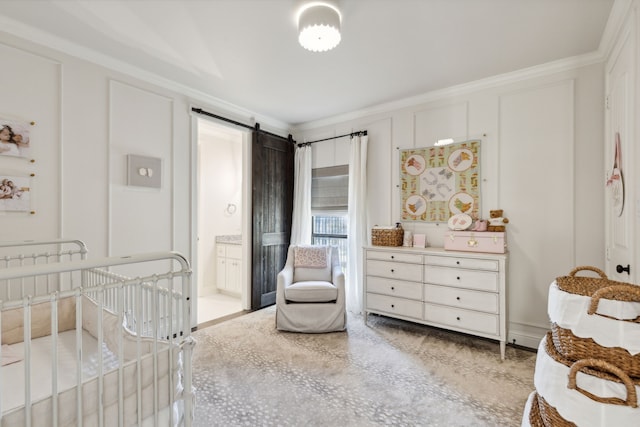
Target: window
<point>331,229</point>
<point>329,205</point>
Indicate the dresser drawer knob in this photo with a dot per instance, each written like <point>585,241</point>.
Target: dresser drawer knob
<point>393,288</point>
<point>392,306</point>
<point>458,318</point>
<point>393,257</point>
<point>458,262</point>
<point>392,270</point>
<point>458,277</point>
<point>458,298</point>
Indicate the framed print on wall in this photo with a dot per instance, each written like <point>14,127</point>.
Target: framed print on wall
<point>14,138</point>
<point>440,181</point>
<point>15,193</point>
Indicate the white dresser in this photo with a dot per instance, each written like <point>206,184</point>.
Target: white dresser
<point>461,291</point>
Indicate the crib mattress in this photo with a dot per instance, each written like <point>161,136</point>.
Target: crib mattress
<point>13,384</point>
<point>569,311</point>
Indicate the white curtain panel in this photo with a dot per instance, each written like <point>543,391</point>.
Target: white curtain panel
<point>301,221</point>
<point>357,221</point>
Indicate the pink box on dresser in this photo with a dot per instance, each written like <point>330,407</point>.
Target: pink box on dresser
<point>475,241</point>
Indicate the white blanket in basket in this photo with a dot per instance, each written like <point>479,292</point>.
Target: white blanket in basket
<point>551,379</point>
<point>570,311</point>
<point>527,411</point>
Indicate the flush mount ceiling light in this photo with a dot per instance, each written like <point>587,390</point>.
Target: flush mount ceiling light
<point>319,26</point>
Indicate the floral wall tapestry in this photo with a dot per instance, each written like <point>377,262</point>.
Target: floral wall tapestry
<point>441,181</point>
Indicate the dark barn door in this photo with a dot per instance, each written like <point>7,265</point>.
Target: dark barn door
<point>272,165</point>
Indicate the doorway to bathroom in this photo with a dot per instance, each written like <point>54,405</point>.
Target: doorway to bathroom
<point>222,221</point>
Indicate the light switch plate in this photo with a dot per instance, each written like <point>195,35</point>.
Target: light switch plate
<point>144,171</point>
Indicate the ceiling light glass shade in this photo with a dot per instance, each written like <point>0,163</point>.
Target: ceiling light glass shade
<point>319,28</point>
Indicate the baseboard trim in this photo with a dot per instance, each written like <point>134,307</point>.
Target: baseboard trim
<point>529,338</point>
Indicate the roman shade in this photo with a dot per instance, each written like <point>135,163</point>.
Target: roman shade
<point>330,188</point>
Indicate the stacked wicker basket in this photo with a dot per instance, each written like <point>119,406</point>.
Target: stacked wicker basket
<point>588,367</point>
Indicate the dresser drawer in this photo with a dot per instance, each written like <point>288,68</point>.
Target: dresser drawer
<point>462,319</point>
<point>394,270</point>
<point>395,256</point>
<point>397,288</point>
<point>460,262</point>
<point>462,298</point>
<point>482,280</point>
<point>394,306</point>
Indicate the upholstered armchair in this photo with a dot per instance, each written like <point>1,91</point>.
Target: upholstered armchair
<point>310,295</point>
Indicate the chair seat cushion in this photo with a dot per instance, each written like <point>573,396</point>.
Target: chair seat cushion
<point>311,291</point>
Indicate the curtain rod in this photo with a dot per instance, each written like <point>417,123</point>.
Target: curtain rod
<point>352,134</point>
<point>256,127</point>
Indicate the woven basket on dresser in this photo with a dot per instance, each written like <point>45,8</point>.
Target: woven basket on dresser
<point>387,236</point>
<point>575,348</point>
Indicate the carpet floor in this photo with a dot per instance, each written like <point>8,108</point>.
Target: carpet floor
<point>385,373</point>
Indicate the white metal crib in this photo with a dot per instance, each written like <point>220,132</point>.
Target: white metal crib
<point>31,252</point>
<point>115,347</point>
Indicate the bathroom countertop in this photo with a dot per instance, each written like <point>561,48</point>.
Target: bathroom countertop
<point>230,239</point>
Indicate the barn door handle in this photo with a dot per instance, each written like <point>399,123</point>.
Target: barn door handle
<point>621,269</point>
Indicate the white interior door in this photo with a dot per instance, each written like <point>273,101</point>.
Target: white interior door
<point>621,214</point>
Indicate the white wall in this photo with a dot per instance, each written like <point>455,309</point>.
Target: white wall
<point>38,99</point>
<point>87,119</point>
<point>140,123</point>
<point>541,162</point>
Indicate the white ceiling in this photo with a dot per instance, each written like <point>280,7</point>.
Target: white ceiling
<point>245,52</point>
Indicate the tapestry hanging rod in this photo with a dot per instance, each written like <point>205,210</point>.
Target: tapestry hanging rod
<point>224,119</point>
<point>352,134</point>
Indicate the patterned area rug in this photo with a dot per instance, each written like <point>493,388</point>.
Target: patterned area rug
<point>387,372</point>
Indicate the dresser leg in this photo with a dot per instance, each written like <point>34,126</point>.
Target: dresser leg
<point>503,347</point>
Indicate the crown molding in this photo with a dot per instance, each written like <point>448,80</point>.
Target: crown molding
<point>47,40</point>
<point>620,11</point>
<point>542,70</point>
